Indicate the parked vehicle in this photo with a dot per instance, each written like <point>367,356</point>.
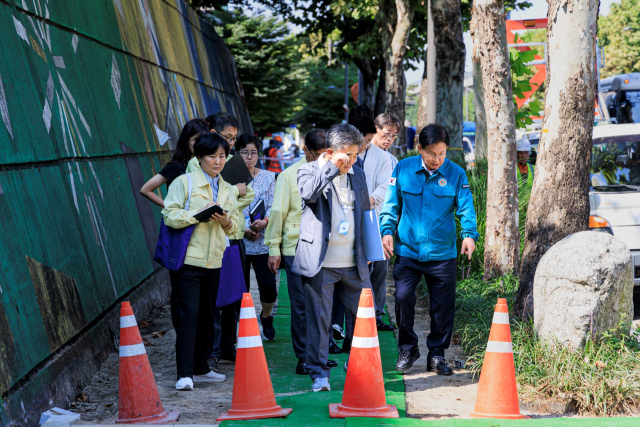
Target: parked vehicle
<point>621,96</point>
<point>614,195</point>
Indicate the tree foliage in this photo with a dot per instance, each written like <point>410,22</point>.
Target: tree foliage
<point>619,33</point>
<point>521,74</point>
<point>269,64</point>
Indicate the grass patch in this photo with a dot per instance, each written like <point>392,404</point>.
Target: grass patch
<point>601,379</point>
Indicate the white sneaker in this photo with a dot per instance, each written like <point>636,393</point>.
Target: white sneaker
<point>321,384</point>
<point>211,377</point>
<point>184,384</point>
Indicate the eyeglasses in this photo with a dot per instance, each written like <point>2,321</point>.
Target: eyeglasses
<point>390,136</point>
<point>228,138</point>
<point>248,154</point>
<point>432,157</point>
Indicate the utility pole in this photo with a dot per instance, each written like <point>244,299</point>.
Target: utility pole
<point>432,83</point>
<point>346,92</point>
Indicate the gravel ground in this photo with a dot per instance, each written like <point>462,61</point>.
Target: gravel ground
<point>98,402</point>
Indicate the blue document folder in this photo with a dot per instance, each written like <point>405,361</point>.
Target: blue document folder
<point>371,236</point>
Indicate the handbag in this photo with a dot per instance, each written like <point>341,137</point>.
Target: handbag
<point>171,249</point>
<point>232,284</point>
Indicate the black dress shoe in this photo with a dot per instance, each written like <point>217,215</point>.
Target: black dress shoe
<point>383,327</point>
<point>346,345</point>
<point>338,332</point>
<point>439,365</point>
<point>213,364</point>
<point>333,347</point>
<point>331,363</point>
<point>406,359</point>
<point>301,368</point>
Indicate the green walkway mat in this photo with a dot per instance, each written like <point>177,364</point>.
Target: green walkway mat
<point>294,391</point>
<point>312,409</point>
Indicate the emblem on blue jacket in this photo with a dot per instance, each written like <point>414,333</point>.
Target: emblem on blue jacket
<point>442,182</point>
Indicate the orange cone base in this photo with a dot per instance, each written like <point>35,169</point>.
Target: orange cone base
<point>499,416</point>
<point>165,417</point>
<point>336,410</point>
<point>255,414</point>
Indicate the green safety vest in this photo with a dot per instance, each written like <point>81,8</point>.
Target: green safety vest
<point>530,168</point>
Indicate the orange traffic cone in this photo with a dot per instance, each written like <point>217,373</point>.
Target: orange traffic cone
<point>139,399</point>
<point>363,394</point>
<point>498,393</point>
<point>253,396</point>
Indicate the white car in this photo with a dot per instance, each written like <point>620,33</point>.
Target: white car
<point>614,194</point>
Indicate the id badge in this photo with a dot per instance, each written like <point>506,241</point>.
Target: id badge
<point>344,227</point>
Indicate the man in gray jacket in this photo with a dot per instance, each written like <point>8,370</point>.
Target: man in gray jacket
<point>330,251</point>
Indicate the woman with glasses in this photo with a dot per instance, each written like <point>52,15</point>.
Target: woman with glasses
<point>264,185</point>
<point>423,194</point>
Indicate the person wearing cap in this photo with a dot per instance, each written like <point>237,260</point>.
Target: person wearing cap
<point>525,169</point>
<point>274,152</point>
<point>424,195</point>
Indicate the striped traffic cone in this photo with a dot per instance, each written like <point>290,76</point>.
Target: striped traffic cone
<point>139,401</point>
<point>497,392</point>
<point>253,396</point>
<point>363,394</point>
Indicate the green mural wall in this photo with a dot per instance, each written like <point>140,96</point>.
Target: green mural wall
<point>93,95</point>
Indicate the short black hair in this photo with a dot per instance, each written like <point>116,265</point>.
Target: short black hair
<point>316,139</point>
<point>221,120</point>
<point>210,143</point>
<point>364,124</point>
<point>246,139</point>
<point>361,110</point>
<point>433,134</point>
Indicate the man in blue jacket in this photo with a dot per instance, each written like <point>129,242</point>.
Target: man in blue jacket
<point>423,194</point>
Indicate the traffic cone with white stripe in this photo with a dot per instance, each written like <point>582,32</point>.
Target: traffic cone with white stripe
<point>253,396</point>
<point>139,401</point>
<point>498,392</point>
<point>363,394</point>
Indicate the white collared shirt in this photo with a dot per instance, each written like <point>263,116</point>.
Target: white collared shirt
<point>426,168</point>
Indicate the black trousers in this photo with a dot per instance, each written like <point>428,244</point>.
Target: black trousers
<point>193,302</point>
<point>227,317</point>
<point>298,319</point>
<point>266,279</point>
<point>441,281</point>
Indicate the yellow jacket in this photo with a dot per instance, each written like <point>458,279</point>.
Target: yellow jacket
<point>284,221</point>
<point>208,242</point>
<point>243,201</point>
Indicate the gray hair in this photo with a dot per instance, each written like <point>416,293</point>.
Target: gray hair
<point>343,135</point>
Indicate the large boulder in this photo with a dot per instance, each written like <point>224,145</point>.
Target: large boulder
<point>583,285</point>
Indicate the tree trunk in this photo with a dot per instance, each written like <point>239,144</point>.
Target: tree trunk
<point>450,57</point>
<point>394,47</point>
<point>559,203</point>
<point>481,117</point>
<point>422,106</point>
<point>502,237</point>
<point>381,98</point>
<point>369,70</point>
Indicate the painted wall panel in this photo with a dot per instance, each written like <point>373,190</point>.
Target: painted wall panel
<point>85,87</point>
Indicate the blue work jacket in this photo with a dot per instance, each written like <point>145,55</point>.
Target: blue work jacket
<point>419,210</point>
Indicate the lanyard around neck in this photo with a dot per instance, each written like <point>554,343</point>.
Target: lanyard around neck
<point>345,208</point>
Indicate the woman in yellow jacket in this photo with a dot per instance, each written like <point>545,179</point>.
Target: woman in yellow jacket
<point>194,288</point>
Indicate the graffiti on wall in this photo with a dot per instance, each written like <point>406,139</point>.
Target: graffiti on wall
<point>93,96</point>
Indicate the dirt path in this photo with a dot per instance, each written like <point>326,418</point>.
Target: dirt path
<point>200,406</point>
<point>430,396</point>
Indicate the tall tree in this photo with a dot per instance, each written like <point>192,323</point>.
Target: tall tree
<point>502,238</point>
<point>269,66</point>
<point>450,58</point>
<point>478,99</point>
<point>559,203</point>
<point>620,35</point>
<point>422,102</point>
<point>394,25</point>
